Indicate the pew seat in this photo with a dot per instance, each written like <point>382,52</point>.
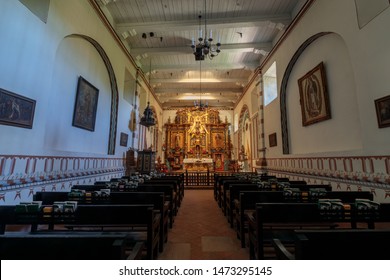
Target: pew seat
<point>141,221</point>
<point>69,246</point>
<point>340,244</point>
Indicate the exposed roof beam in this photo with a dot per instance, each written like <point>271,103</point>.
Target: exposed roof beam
<point>205,67</point>
<point>184,81</point>
<point>162,27</point>
<point>196,90</point>
<point>249,47</point>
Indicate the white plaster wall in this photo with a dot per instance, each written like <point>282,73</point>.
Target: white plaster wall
<point>357,63</point>
<point>37,62</point>
<point>76,55</point>
<point>341,132</point>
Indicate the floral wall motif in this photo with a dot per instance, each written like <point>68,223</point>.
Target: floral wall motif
<point>353,173</point>
<point>22,175</point>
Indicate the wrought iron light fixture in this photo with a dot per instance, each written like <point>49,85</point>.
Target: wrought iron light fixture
<point>148,117</point>
<point>204,47</point>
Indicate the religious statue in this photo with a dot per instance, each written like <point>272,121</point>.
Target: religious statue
<point>177,140</point>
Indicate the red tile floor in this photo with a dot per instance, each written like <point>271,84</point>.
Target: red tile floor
<point>202,232</point>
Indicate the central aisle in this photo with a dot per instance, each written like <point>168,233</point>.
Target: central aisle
<point>201,231</point>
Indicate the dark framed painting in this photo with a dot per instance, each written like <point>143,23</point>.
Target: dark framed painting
<point>272,140</point>
<point>382,106</point>
<point>84,115</point>
<point>123,140</point>
<point>16,110</point>
<point>314,96</point>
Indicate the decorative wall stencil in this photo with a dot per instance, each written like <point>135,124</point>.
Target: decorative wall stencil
<point>314,97</point>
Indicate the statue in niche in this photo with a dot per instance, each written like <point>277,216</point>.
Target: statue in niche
<point>177,140</point>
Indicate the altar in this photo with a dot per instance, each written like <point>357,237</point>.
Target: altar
<point>198,164</point>
<point>197,140</point>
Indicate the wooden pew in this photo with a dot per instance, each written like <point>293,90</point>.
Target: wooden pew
<point>220,177</point>
<point>224,190</point>
<point>177,179</point>
<point>89,188</point>
<point>233,189</point>
<point>157,199</point>
<point>285,217</point>
<point>233,194</point>
<point>168,183</point>
<point>48,198</point>
<point>218,183</point>
<point>169,196</point>
<point>271,220</point>
<point>141,221</point>
<point>340,244</point>
<point>68,246</point>
<point>128,218</point>
<point>248,200</point>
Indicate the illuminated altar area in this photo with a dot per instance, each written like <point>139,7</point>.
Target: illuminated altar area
<point>197,140</point>
<point>201,164</point>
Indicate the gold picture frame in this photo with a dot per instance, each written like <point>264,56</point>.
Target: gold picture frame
<point>314,96</point>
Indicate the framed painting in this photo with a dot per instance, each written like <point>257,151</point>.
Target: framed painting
<point>16,110</point>
<point>314,96</point>
<point>272,140</point>
<point>382,106</point>
<point>84,115</point>
<point>123,139</point>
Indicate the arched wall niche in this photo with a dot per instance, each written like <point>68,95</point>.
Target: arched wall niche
<point>244,133</point>
<point>114,90</point>
<point>283,89</point>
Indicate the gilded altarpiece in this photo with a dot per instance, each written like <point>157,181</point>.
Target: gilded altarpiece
<point>197,140</point>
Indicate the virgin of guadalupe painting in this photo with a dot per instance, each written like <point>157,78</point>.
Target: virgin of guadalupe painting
<point>314,97</point>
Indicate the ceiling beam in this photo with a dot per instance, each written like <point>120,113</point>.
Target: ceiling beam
<point>184,81</point>
<point>196,90</point>
<point>205,67</point>
<point>231,48</point>
<point>162,27</point>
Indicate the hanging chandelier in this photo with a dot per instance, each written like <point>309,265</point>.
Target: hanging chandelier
<point>204,47</point>
<point>148,117</point>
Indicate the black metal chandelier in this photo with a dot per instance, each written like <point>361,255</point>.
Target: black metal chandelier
<point>204,47</point>
<point>148,117</point>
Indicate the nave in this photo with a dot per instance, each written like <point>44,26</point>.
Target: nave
<point>201,231</point>
<point>162,218</point>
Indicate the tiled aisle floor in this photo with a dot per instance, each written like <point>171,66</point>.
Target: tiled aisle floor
<point>201,231</point>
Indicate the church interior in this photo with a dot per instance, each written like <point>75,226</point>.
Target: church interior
<point>224,117</point>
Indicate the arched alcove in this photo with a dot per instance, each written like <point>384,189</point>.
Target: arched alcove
<point>80,55</point>
<point>344,123</point>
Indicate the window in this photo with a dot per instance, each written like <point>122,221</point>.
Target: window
<point>270,85</point>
